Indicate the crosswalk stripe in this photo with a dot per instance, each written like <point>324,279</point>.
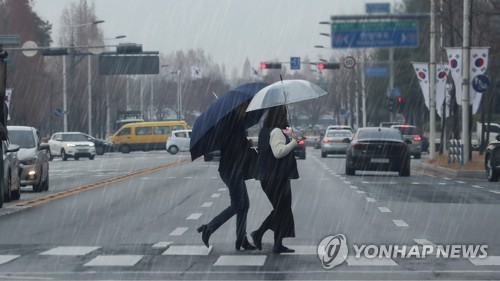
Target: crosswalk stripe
<point>7,258</point>
<point>187,251</point>
<point>363,261</point>
<point>69,251</point>
<point>489,260</point>
<point>247,260</point>
<point>179,231</point>
<point>115,260</point>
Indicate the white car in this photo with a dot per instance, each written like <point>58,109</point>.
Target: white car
<point>71,144</point>
<point>178,141</point>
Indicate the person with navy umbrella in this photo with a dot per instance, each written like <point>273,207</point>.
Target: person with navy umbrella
<point>233,146</point>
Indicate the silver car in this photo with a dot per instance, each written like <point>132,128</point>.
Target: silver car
<point>71,144</point>
<point>335,142</point>
<point>10,189</point>
<point>33,156</point>
<point>410,133</point>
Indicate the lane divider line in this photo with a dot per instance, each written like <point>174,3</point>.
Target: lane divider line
<point>76,190</point>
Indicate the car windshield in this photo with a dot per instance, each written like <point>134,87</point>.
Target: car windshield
<point>24,139</point>
<point>74,137</point>
<point>380,134</point>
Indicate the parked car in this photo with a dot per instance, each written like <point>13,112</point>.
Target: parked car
<point>335,142</point>
<point>11,188</point>
<point>376,149</point>
<point>71,144</point>
<point>33,156</point>
<point>492,160</point>
<point>410,132</point>
<point>178,141</point>
<point>101,146</point>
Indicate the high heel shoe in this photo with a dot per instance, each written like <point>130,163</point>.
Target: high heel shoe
<point>205,234</point>
<point>257,239</point>
<point>244,244</point>
<point>278,249</point>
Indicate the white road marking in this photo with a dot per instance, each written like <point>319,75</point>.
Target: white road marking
<point>477,186</point>
<point>188,177</point>
<point>118,260</point>
<point>347,182</point>
<point>448,179</point>
<point>215,178</point>
<point>247,260</point>
<point>424,242</point>
<point>179,231</point>
<point>353,187</point>
<point>400,223</point>
<point>363,261</point>
<point>497,192</point>
<point>69,251</point>
<point>442,183</point>
<point>303,250</point>
<point>384,209</point>
<point>7,258</point>
<point>162,244</point>
<point>459,181</point>
<point>187,251</point>
<point>360,192</point>
<point>207,204</point>
<point>215,195</point>
<point>194,216</point>
<point>415,183</point>
<point>369,199</point>
<point>222,189</point>
<point>489,260</point>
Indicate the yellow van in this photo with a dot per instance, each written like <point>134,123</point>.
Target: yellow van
<point>145,135</point>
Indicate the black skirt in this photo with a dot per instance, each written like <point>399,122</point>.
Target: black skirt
<point>281,219</point>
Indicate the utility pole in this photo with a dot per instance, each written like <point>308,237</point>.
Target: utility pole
<point>466,82</point>
<point>432,82</point>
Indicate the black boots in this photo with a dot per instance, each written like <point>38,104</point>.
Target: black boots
<point>257,239</point>
<point>244,244</point>
<point>279,248</point>
<point>205,234</point>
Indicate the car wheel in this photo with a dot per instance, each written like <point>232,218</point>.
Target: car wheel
<point>45,185</point>
<point>124,149</point>
<point>349,170</point>
<point>405,169</point>
<point>49,155</point>
<point>491,174</point>
<point>91,157</point>
<point>7,197</point>
<point>173,149</point>
<point>39,186</point>
<point>76,158</point>
<point>417,155</point>
<point>99,150</point>
<point>323,154</point>
<point>16,194</point>
<point>64,155</point>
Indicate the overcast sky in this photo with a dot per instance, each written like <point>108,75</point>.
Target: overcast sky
<point>228,30</point>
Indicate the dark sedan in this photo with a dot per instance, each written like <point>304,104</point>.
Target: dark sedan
<point>378,149</point>
<point>492,160</point>
<point>101,146</point>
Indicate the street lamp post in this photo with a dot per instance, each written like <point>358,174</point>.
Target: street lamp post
<point>72,54</point>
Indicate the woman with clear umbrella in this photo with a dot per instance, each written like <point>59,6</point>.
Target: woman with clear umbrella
<point>276,166</point>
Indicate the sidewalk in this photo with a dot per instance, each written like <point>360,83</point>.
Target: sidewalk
<point>473,169</point>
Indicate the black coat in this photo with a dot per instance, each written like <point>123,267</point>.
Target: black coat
<point>268,167</point>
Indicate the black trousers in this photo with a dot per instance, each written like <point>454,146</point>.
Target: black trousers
<point>280,220</point>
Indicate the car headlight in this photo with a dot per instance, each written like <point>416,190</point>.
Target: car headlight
<point>30,161</point>
<point>70,145</point>
<point>91,144</point>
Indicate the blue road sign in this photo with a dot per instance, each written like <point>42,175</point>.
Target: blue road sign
<point>481,83</point>
<point>375,34</point>
<point>376,71</point>
<point>395,92</point>
<point>295,63</point>
<point>378,8</point>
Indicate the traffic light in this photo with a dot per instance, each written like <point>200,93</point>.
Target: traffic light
<point>322,66</point>
<point>399,105</point>
<point>390,104</point>
<point>270,65</point>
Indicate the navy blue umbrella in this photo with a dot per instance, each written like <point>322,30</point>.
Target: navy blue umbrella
<point>208,127</point>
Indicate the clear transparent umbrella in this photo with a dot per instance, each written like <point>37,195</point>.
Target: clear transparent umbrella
<point>285,92</point>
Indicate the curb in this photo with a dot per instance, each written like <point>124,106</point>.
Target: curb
<point>475,174</point>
